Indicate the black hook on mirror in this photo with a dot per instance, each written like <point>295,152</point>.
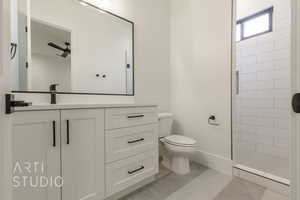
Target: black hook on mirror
<point>13,50</point>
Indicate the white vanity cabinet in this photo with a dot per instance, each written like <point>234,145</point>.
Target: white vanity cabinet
<point>131,146</point>
<point>35,139</point>
<point>97,151</point>
<point>70,144</point>
<point>82,154</point>
<point>126,142</point>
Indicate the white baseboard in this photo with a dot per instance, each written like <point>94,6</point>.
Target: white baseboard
<point>218,163</point>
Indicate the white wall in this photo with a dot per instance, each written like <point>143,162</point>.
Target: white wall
<point>5,121</point>
<point>151,54</point>
<point>152,19</point>
<point>295,151</point>
<point>200,75</point>
<point>263,111</point>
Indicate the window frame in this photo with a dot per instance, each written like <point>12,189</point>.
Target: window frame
<point>242,21</point>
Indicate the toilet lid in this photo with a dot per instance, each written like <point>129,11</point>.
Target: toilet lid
<point>180,140</point>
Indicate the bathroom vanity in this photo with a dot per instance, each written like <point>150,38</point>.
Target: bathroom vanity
<point>93,151</point>
<point>98,150</point>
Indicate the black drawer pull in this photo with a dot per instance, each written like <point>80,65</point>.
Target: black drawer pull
<point>54,133</point>
<point>135,116</point>
<point>135,141</point>
<point>134,171</point>
<point>68,132</point>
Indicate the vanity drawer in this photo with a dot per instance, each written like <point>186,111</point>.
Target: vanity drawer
<point>125,142</point>
<point>127,117</point>
<point>125,173</point>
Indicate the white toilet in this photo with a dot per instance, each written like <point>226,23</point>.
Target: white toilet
<point>177,148</point>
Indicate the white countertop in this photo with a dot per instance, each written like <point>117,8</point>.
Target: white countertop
<point>78,106</point>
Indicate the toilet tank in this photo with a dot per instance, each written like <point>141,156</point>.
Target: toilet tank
<point>165,124</point>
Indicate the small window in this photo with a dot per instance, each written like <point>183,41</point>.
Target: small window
<point>255,25</point>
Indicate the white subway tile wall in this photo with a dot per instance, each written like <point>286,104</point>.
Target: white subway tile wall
<point>263,104</point>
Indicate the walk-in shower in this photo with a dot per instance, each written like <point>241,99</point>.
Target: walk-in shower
<point>262,88</point>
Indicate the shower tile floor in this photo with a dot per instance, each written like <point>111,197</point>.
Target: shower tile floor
<point>203,184</point>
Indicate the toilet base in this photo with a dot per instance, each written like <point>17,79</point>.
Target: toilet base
<point>177,164</point>
<point>166,162</point>
<point>180,165</point>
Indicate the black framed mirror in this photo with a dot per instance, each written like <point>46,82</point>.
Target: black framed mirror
<point>71,46</point>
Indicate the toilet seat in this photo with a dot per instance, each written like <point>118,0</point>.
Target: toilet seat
<point>180,140</point>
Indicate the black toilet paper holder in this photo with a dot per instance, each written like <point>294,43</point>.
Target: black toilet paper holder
<point>212,120</point>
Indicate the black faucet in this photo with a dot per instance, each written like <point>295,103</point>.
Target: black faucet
<point>53,93</point>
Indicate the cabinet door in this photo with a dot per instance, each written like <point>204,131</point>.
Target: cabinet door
<point>36,154</point>
<point>83,154</point>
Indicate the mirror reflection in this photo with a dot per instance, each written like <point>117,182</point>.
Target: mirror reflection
<point>50,57</point>
<point>79,48</point>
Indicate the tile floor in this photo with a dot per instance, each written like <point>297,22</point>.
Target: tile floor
<point>203,184</point>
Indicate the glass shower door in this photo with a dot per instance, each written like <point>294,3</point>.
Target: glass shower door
<point>261,100</point>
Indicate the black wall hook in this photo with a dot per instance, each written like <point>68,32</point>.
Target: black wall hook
<point>13,50</point>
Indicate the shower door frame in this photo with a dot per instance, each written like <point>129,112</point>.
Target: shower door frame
<point>295,87</point>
